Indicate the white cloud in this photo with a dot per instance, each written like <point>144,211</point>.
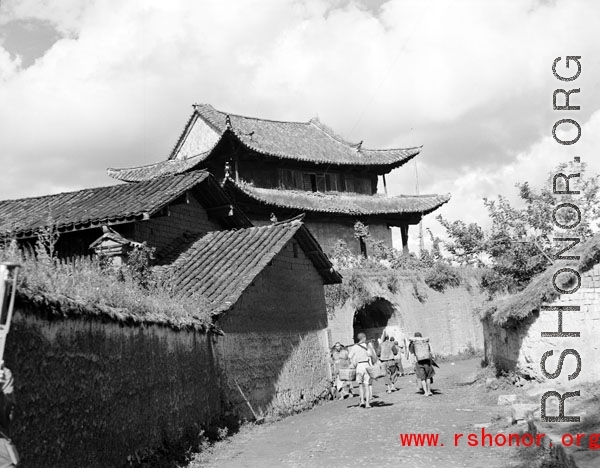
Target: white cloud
<point>65,15</point>
<point>532,165</point>
<point>471,80</point>
<point>9,66</point>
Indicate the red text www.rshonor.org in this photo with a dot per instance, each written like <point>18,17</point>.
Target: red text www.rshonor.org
<point>481,439</point>
<point>487,439</point>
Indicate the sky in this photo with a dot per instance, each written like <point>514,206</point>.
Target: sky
<point>89,84</point>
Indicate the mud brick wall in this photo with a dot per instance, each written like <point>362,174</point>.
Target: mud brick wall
<point>274,343</point>
<point>329,232</point>
<point>91,393</point>
<point>450,318</point>
<point>520,348</point>
<point>161,231</point>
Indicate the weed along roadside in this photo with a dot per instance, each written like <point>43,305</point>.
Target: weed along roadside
<point>178,335</point>
<point>176,269</point>
<point>257,297</point>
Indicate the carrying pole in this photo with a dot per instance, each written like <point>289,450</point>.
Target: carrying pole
<point>8,290</point>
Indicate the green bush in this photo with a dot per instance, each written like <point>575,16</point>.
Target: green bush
<point>93,282</point>
<point>442,276</point>
<point>495,283</point>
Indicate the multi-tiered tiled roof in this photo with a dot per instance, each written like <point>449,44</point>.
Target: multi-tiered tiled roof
<point>337,202</point>
<point>310,142</point>
<point>211,138</point>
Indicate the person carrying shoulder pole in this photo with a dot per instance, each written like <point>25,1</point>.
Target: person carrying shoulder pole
<point>362,355</point>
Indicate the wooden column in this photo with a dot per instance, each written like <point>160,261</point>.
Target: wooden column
<point>404,234</point>
<point>384,184</point>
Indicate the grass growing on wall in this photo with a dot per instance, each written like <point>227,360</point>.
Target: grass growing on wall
<point>90,286</point>
<point>386,269</point>
<point>358,285</point>
<point>517,307</point>
<point>295,392</point>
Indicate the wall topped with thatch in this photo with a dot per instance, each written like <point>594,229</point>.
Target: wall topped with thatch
<point>509,311</point>
<point>93,390</point>
<point>96,385</point>
<point>517,345</point>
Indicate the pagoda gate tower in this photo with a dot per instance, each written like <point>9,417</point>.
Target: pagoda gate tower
<point>277,170</point>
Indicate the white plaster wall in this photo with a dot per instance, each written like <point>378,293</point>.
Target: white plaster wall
<point>524,346</point>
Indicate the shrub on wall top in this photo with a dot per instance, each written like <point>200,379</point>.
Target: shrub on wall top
<point>442,276</point>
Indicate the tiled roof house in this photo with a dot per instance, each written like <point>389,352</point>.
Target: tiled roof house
<point>288,168</point>
<point>264,285</point>
<point>157,211</point>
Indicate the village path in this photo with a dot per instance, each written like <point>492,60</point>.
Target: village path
<point>339,434</point>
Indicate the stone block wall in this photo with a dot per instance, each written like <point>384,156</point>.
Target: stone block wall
<point>521,347</point>
<point>92,392</point>
<point>275,343</point>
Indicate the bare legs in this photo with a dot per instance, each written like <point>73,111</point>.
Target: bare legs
<point>366,394</point>
<point>426,384</point>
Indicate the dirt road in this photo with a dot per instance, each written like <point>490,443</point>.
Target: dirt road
<point>339,434</point>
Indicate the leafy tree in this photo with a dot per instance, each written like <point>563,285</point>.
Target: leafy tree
<point>520,241</point>
<point>466,241</point>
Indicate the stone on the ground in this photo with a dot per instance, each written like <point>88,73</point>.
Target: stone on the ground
<point>523,411</point>
<point>491,383</point>
<point>507,399</point>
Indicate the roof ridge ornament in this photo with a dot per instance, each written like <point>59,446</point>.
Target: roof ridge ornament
<point>228,122</point>
<point>359,146</point>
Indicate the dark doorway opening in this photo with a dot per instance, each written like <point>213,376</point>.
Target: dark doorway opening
<point>373,318</point>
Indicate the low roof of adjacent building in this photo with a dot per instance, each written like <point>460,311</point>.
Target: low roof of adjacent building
<point>517,307</point>
<point>155,170</point>
<point>309,142</point>
<point>220,265</point>
<point>116,204</point>
<point>337,202</point>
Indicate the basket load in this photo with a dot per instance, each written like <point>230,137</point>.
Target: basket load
<point>347,373</point>
<point>376,371</point>
<point>421,348</point>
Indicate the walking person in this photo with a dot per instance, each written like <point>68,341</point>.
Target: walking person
<point>362,355</point>
<point>398,358</point>
<point>424,365</point>
<point>387,353</point>
<point>341,360</point>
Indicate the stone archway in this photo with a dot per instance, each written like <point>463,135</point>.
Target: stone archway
<point>373,318</point>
